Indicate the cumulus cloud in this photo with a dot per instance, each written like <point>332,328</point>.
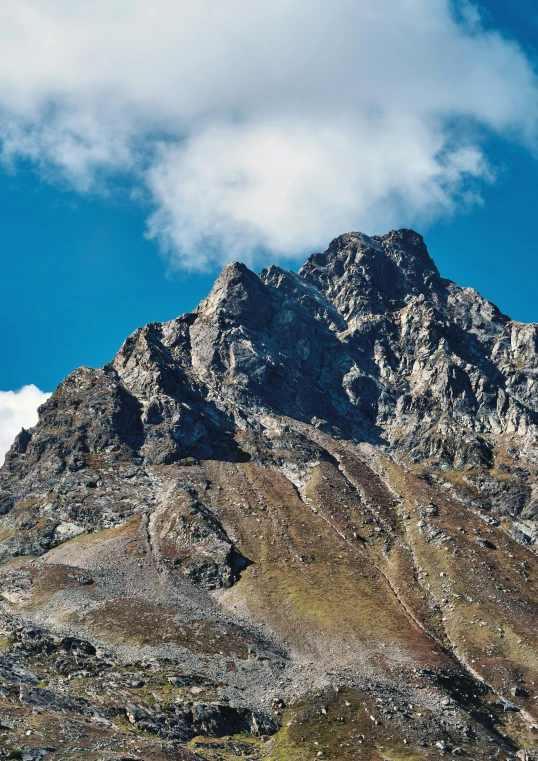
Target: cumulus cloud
<point>262,129</point>
<point>18,409</point>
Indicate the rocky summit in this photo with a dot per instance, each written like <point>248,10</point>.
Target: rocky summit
<point>299,522</point>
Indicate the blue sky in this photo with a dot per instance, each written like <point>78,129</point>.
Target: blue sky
<point>79,195</point>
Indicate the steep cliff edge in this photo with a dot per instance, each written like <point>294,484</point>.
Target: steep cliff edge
<point>301,519</point>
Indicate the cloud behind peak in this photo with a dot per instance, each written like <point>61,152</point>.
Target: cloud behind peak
<point>263,129</point>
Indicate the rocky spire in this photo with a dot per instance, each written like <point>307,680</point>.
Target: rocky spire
<point>364,275</point>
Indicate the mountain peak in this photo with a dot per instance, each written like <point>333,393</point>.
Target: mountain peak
<point>234,278</point>
<point>407,248</point>
<point>316,494</point>
<point>378,274</point>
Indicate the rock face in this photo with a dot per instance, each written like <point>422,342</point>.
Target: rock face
<point>301,519</point>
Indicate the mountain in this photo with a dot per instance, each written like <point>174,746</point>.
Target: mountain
<point>299,522</point>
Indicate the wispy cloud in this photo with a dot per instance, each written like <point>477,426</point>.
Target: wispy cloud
<point>261,129</point>
<point>18,409</point>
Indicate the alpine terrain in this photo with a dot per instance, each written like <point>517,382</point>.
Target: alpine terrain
<point>298,523</point>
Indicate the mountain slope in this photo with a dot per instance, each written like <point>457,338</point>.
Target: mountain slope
<point>299,520</point>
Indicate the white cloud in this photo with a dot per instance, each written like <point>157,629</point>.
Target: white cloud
<point>256,126</point>
<point>18,409</point>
